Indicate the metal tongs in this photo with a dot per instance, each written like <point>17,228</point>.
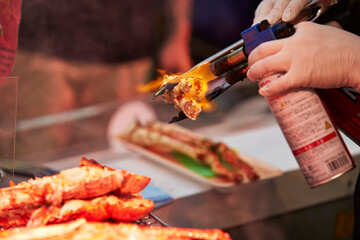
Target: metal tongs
<point>230,66</point>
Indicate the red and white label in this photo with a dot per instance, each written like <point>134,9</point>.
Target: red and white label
<point>314,144</point>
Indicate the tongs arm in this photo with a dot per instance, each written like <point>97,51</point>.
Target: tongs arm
<point>203,64</point>
<point>236,68</point>
<point>312,10</point>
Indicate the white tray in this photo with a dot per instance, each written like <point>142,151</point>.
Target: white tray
<point>263,169</point>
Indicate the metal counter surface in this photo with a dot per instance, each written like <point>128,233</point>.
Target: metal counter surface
<point>253,202</point>
<point>199,205</point>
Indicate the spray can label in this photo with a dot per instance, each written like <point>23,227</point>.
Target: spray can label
<point>311,134</point>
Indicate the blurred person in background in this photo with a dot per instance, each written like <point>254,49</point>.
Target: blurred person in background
<point>79,53</point>
<point>90,52</point>
<point>316,56</point>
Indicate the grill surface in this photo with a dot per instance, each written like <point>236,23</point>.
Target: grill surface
<point>151,221</point>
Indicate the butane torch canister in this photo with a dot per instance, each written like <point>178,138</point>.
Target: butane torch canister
<point>311,134</point>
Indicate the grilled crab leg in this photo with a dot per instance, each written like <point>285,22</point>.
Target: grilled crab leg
<point>81,230</point>
<point>220,149</point>
<point>122,208</point>
<point>17,217</point>
<point>234,160</point>
<point>89,180</point>
<point>150,135</point>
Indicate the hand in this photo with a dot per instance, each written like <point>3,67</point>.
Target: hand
<point>316,56</point>
<point>275,10</point>
<point>175,56</point>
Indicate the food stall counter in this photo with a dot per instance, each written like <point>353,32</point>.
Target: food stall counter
<point>200,205</point>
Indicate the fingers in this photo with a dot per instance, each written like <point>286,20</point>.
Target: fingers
<point>262,10</point>
<point>275,10</point>
<point>272,64</point>
<point>276,13</point>
<point>293,9</point>
<point>266,59</point>
<point>264,50</point>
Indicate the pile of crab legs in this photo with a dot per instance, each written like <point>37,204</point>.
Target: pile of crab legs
<point>92,191</point>
<point>87,202</point>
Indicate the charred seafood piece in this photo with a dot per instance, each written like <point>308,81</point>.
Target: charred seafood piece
<point>204,150</point>
<point>81,229</point>
<point>187,94</point>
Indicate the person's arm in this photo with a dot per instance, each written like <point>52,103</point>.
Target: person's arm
<point>175,55</point>
<point>316,56</point>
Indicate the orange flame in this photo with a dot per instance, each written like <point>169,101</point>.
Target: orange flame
<point>205,75</point>
<point>153,85</point>
<point>200,77</point>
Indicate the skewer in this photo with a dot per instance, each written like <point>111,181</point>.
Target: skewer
<point>162,90</point>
